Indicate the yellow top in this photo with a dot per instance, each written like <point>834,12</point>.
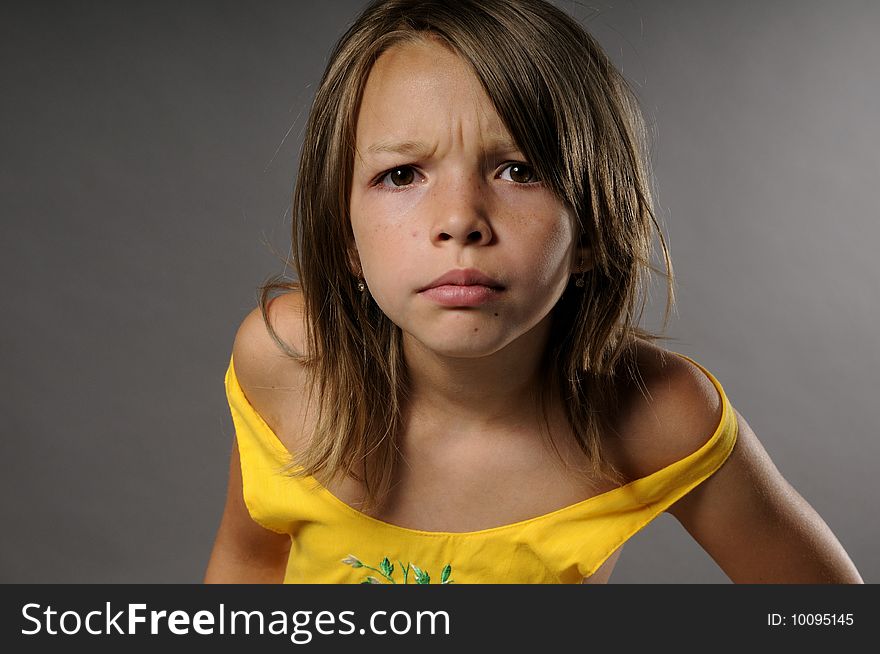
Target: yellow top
<point>329,537</point>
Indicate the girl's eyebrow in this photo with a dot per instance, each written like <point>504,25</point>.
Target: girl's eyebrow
<point>421,149</point>
<point>414,148</point>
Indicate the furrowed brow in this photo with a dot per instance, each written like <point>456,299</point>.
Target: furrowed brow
<point>420,148</point>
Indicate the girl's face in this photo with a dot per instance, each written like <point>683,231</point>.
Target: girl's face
<point>439,186</point>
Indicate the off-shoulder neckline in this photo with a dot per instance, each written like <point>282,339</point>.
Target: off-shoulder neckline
<point>283,452</point>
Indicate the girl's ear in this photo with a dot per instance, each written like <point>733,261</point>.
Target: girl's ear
<point>583,259</point>
<point>354,261</point>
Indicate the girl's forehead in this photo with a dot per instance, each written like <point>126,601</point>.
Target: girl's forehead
<point>422,92</point>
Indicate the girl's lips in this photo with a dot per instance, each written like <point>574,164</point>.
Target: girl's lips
<point>464,277</point>
<point>470,295</point>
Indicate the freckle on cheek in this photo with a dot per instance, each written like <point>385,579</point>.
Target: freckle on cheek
<point>415,234</point>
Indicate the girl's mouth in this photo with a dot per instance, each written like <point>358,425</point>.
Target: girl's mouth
<point>462,287</point>
<point>456,295</point>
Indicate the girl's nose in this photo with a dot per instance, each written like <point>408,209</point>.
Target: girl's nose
<point>461,214</point>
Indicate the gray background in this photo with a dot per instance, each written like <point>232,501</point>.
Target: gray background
<point>148,153</point>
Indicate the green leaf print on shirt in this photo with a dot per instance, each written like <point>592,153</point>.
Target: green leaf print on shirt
<point>386,569</point>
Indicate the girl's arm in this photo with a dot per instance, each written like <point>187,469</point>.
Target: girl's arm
<point>746,516</point>
<point>244,552</point>
<point>757,527</point>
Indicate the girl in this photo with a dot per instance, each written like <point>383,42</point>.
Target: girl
<point>456,389</point>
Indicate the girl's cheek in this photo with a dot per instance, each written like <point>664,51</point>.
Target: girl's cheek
<point>400,199</point>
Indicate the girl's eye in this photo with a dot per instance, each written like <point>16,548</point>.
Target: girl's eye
<point>521,173</point>
<point>403,176</point>
<point>399,177</point>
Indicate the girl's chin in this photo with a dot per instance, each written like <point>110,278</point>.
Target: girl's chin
<point>461,345</point>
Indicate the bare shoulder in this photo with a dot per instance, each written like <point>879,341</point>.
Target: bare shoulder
<point>269,377</point>
<point>253,340</point>
<point>669,408</point>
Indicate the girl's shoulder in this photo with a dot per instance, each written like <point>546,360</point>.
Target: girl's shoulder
<point>668,408</point>
<point>273,382</point>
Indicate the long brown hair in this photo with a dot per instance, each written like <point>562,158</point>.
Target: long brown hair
<point>578,123</point>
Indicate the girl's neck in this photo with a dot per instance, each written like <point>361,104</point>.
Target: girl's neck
<point>476,395</point>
